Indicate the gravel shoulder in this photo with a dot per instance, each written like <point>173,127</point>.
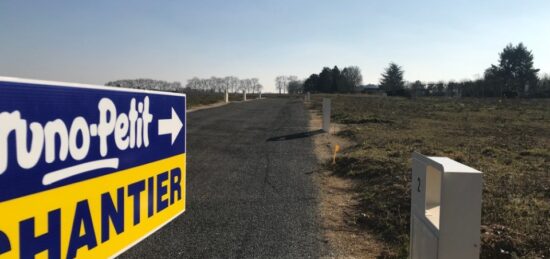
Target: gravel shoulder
<point>339,199</point>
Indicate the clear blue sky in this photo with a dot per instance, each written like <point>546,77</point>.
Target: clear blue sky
<point>102,40</point>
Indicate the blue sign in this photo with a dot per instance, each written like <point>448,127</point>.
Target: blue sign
<point>63,145</point>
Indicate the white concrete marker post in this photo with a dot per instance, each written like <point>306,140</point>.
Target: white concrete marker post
<point>244,95</point>
<point>307,97</point>
<point>226,97</point>
<point>445,209</point>
<point>326,115</point>
<point>260,97</point>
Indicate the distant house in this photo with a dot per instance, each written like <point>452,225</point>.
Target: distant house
<point>418,92</point>
<point>369,88</point>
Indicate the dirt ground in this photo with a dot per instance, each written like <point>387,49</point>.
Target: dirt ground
<point>338,200</point>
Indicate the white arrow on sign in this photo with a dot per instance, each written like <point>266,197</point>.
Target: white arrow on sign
<point>171,126</point>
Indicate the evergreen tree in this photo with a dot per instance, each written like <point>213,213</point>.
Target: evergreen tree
<point>325,80</point>
<point>336,79</point>
<point>392,80</point>
<point>515,71</point>
<point>312,84</point>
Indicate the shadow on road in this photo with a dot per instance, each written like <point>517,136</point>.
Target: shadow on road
<point>295,136</point>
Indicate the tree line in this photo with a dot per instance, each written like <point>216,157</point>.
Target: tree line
<point>334,80</point>
<point>283,83</point>
<point>513,76</point>
<point>328,81</point>
<point>147,84</point>
<point>230,84</point>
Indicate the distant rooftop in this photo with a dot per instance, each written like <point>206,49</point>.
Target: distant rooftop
<point>369,86</point>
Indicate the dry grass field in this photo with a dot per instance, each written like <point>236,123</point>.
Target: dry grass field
<point>508,140</point>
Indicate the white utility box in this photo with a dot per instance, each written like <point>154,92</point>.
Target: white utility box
<point>445,209</point>
<point>326,115</point>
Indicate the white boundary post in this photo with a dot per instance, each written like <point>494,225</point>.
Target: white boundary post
<point>326,115</point>
<point>445,209</point>
<point>244,95</point>
<point>226,96</point>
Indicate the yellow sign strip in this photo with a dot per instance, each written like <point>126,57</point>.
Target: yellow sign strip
<point>96,218</point>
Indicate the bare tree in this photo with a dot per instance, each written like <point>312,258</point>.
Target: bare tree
<point>233,84</point>
<point>242,85</point>
<point>254,84</point>
<point>291,78</point>
<point>352,79</point>
<point>193,83</point>
<point>249,85</point>
<point>288,80</point>
<point>280,83</point>
<point>212,84</point>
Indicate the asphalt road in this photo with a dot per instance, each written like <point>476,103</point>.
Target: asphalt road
<point>249,188</point>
